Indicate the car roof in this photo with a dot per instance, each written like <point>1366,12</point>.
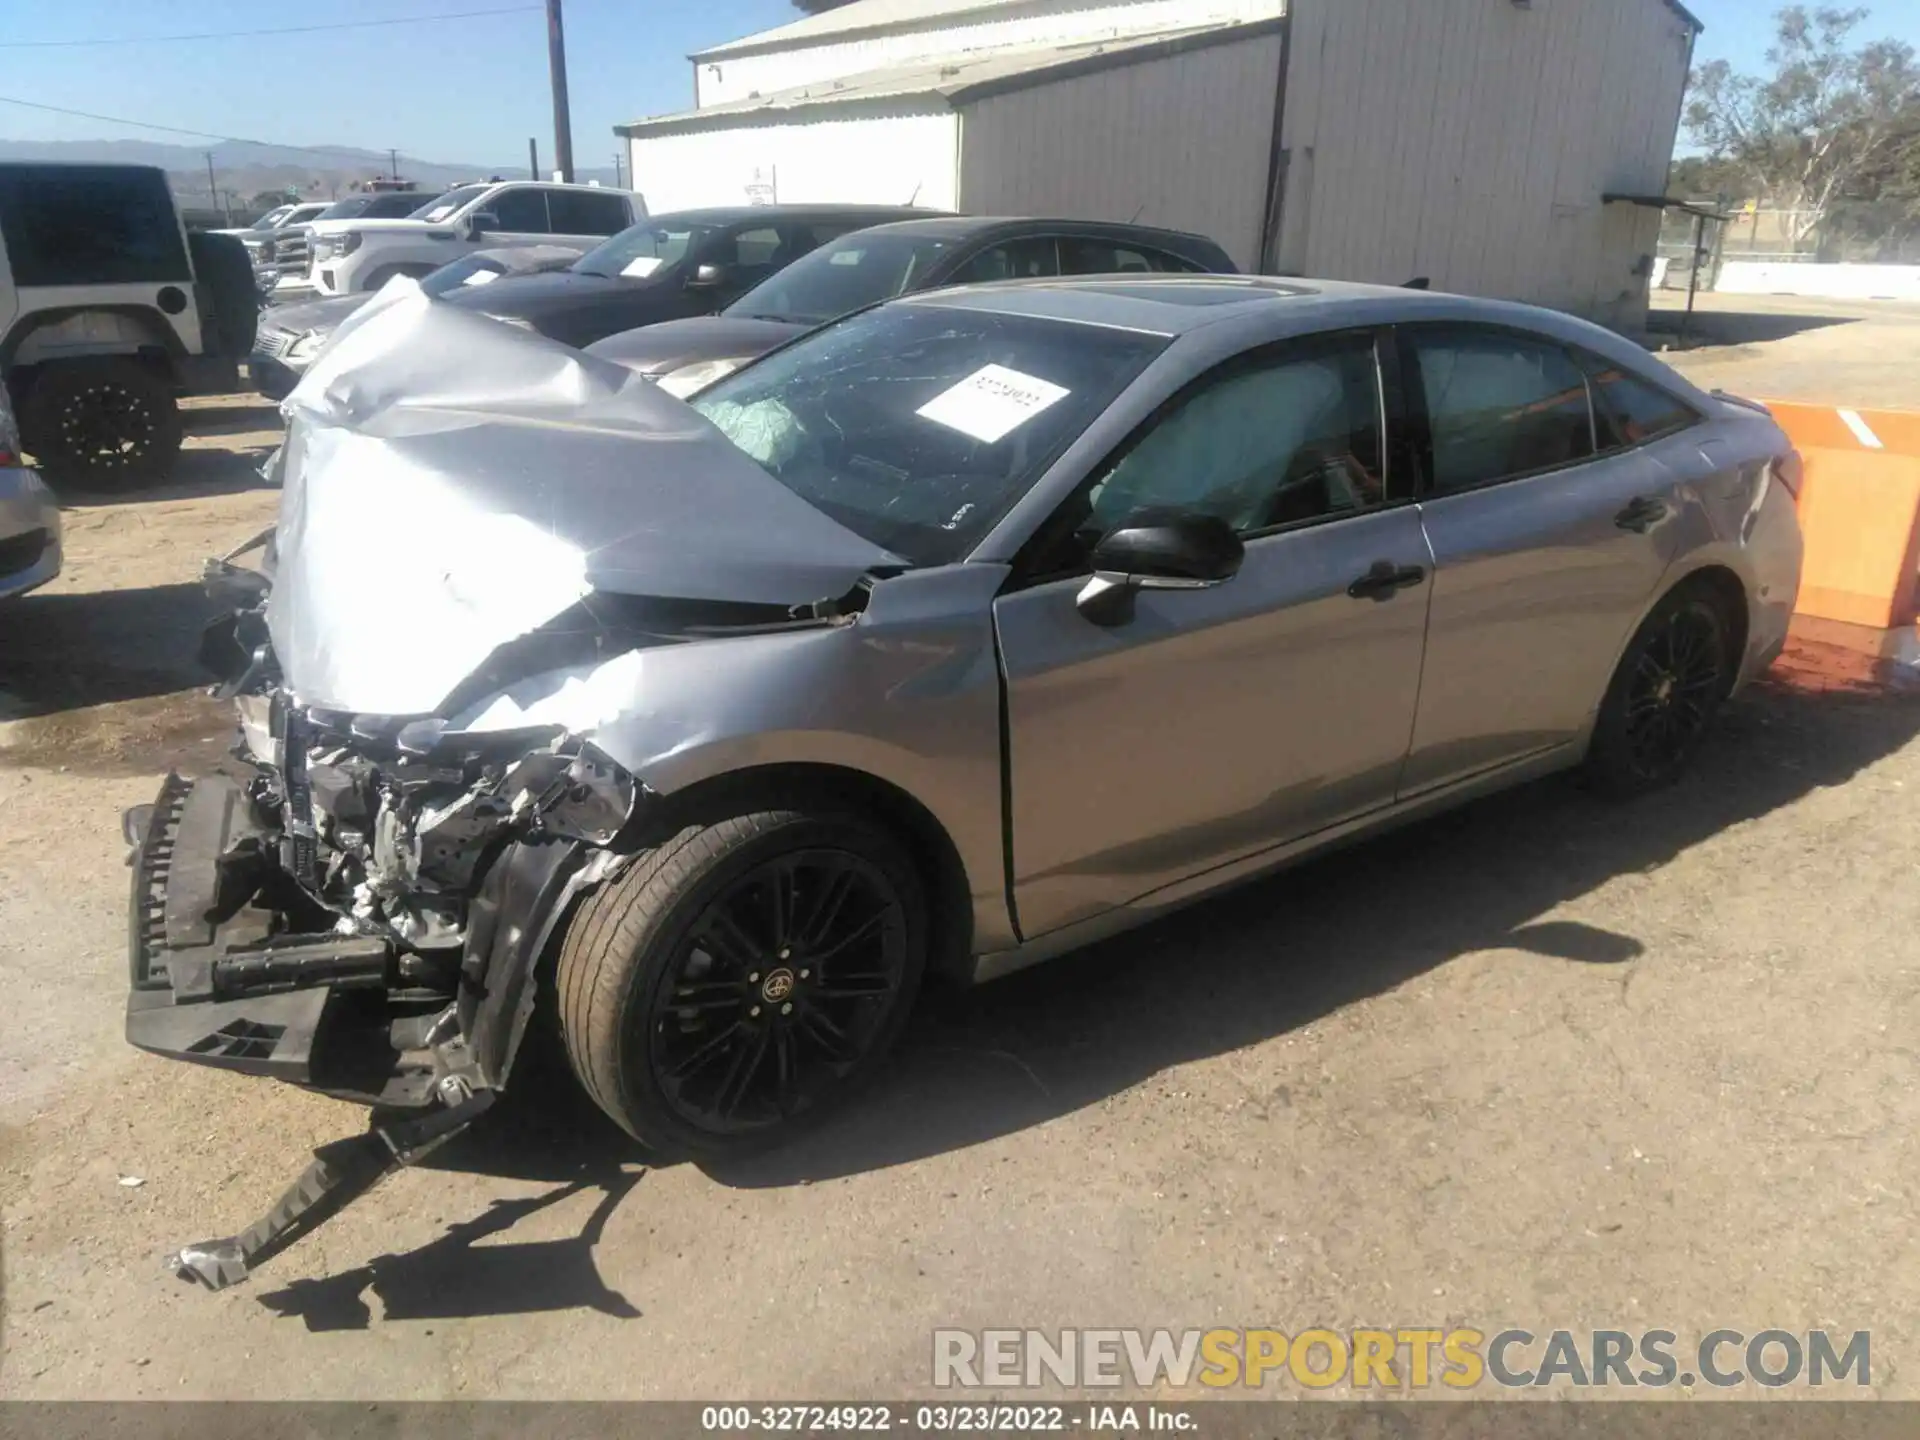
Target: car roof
<point>1264,307</point>
<point>957,227</point>
<point>734,214</point>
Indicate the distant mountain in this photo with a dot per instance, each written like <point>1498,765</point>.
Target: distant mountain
<point>245,170</point>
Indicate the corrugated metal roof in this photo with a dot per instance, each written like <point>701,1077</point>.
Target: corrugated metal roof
<point>871,17</point>
<point>946,83</point>
<point>864,17</point>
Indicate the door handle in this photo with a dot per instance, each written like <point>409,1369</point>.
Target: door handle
<point>1384,580</point>
<point>1643,512</point>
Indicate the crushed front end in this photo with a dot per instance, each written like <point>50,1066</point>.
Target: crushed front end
<point>359,913</point>
<point>484,542</point>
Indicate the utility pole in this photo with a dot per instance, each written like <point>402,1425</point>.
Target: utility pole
<point>393,164</point>
<point>533,158</point>
<point>618,182</point>
<point>213,191</point>
<point>557,69</point>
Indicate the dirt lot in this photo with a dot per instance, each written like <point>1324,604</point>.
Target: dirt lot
<point>1547,1063</point>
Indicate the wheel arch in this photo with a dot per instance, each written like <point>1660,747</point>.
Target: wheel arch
<point>804,782</point>
<point>154,341</point>
<point>1725,585</point>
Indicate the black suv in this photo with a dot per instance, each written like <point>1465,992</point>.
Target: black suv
<point>878,264</point>
<point>685,263</point>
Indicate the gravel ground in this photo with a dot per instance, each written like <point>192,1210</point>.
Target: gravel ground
<point>1546,1063</point>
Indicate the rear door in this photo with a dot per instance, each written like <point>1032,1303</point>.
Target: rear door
<point>1550,539</point>
<point>1217,723</point>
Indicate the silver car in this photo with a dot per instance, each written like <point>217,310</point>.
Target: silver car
<point>948,637</point>
<point>29,517</point>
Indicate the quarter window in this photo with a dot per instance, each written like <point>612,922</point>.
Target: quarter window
<point>1630,411</point>
<point>1498,406</point>
<point>1267,442</point>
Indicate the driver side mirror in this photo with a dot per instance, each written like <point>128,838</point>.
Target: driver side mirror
<point>1158,550</point>
<point>478,225</point>
<point>707,277</point>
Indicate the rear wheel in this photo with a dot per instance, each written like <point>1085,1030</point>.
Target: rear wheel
<point>1664,695</point>
<point>743,979</point>
<point>105,421</point>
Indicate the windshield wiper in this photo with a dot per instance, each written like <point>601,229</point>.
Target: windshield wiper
<point>776,319</point>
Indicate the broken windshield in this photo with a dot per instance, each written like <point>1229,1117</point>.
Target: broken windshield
<point>916,426</point>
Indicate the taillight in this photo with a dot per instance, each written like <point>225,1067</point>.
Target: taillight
<point>1788,470</point>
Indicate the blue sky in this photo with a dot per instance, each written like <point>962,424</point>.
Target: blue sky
<point>464,91</point>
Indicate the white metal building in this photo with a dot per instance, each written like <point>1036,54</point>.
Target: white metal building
<point>1468,141</point>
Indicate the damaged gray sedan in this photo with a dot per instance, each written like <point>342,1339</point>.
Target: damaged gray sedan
<point>948,637</point>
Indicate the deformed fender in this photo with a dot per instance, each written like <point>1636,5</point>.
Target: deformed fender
<point>527,895</point>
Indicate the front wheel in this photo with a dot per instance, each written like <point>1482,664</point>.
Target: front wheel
<point>1664,695</point>
<point>744,978</point>
<point>105,421</point>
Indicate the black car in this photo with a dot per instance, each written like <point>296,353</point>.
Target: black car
<point>877,264</point>
<point>688,262</point>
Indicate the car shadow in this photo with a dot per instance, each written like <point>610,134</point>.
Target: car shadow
<point>1739,327</point>
<point>456,1276</point>
<point>1278,955</point>
<point>197,474</point>
<point>1263,960</point>
<point>64,650</point>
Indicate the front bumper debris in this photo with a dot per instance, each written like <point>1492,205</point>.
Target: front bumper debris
<point>341,1172</point>
<point>212,982</point>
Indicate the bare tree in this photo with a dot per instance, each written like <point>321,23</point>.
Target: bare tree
<point>1825,116</point>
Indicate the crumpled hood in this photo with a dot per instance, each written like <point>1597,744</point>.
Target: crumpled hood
<point>451,483</point>
<point>657,349</point>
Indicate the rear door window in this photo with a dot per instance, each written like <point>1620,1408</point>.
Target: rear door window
<point>1029,259</point>
<point>90,225</point>
<point>1496,405</point>
<point>1082,255</point>
<point>579,212</point>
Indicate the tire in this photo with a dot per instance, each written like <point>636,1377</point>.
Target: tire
<point>103,422</point>
<point>1664,696</point>
<point>695,920</point>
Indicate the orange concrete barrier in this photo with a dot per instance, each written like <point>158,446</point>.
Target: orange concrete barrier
<point>1860,516</point>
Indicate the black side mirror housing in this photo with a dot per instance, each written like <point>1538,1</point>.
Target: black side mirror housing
<point>707,277</point>
<point>480,224</point>
<point>1158,550</point>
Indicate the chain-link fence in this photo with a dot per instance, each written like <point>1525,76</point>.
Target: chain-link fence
<point>1780,236</point>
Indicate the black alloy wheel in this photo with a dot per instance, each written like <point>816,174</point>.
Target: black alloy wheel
<point>1677,681</point>
<point>1664,695</point>
<point>779,990</point>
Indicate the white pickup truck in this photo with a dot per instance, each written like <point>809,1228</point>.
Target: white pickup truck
<point>352,256</point>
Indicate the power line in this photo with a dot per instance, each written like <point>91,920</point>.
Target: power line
<point>249,34</point>
<point>177,130</point>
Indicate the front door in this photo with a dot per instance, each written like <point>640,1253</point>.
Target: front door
<point>1219,722</point>
<point>1550,534</point>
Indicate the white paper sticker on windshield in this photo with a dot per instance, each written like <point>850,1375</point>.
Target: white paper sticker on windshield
<point>992,402</point>
<point>481,277</point>
<point>642,267</point>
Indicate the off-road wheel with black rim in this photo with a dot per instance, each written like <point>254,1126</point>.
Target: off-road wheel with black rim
<point>106,422</point>
<point>1664,695</point>
<point>744,978</point>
